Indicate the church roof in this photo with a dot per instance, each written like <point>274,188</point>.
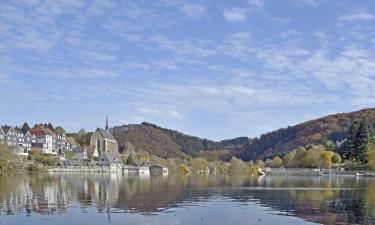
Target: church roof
<point>106,134</point>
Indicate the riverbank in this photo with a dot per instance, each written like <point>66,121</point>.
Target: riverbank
<point>316,172</point>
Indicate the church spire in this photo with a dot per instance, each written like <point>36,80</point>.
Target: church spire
<point>106,122</point>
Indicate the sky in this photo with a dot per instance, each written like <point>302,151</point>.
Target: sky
<point>214,69</point>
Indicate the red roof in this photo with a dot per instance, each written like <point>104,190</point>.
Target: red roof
<point>90,149</point>
<point>41,131</point>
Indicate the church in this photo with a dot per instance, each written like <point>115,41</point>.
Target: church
<point>103,140</point>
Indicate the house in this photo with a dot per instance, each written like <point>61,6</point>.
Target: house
<point>91,153</point>
<point>110,159</point>
<point>15,139</point>
<point>2,136</point>
<point>61,141</point>
<point>103,141</point>
<point>80,153</point>
<point>156,169</point>
<point>45,139</point>
<point>29,139</point>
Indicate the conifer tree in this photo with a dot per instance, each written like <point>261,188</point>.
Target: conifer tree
<point>360,137</point>
<point>25,127</point>
<point>365,137</point>
<point>349,145</point>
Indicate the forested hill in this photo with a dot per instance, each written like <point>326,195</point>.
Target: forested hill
<point>168,143</point>
<point>279,142</point>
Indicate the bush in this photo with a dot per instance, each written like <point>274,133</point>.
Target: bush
<point>33,168</point>
<point>276,162</point>
<point>184,169</point>
<point>336,158</point>
<point>130,160</point>
<point>46,159</point>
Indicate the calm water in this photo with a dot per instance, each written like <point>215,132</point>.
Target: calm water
<point>116,199</point>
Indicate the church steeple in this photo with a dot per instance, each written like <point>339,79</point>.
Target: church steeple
<point>106,122</point>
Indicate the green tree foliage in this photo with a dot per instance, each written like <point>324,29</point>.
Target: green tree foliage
<point>289,159</point>
<point>82,137</point>
<point>198,165</point>
<point>316,156</point>
<point>7,159</point>
<point>360,137</point>
<point>237,166</point>
<point>50,126</point>
<point>130,160</point>
<point>25,127</point>
<point>300,155</point>
<point>69,155</point>
<point>333,128</point>
<point>336,158</point>
<point>46,159</point>
<point>370,156</point>
<point>183,169</point>
<point>276,162</point>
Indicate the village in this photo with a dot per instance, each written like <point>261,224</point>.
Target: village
<point>101,155</point>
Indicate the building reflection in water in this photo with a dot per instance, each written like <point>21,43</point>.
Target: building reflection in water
<point>339,200</point>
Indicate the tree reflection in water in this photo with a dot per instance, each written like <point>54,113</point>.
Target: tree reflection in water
<point>317,199</point>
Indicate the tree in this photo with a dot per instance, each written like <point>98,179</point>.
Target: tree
<point>50,126</point>
<point>327,158</point>
<point>301,153</point>
<point>69,155</point>
<point>370,156</point>
<point>364,138</point>
<point>82,137</point>
<point>7,159</point>
<point>360,137</point>
<point>336,158</point>
<point>130,160</point>
<point>289,159</point>
<point>25,127</point>
<point>276,162</point>
<point>237,166</point>
<point>349,145</point>
<point>199,165</point>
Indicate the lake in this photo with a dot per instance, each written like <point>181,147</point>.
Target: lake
<point>67,198</point>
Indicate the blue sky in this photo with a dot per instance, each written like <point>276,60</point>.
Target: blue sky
<point>215,69</point>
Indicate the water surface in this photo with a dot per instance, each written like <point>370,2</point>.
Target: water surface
<point>68,198</point>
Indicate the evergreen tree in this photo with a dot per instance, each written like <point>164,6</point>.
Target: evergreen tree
<point>50,126</point>
<point>349,145</point>
<point>360,137</point>
<point>365,137</point>
<point>25,127</point>
<point>130,160</point>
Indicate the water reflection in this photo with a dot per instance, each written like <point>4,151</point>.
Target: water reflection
<point>316,199</point>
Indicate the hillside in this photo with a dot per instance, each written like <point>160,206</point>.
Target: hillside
<point>168,143</point>
<point>148,139</point>
<point>279,142</point>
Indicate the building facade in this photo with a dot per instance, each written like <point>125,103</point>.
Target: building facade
<point>103,141</point>
<point>45,139</point>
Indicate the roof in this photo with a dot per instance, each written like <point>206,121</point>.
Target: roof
<point>6,129</point>
<point>111,157</point>
<point>1,131</point>
<point>90,149</point>
<point>106,134</point>
<point>29,134</point>
<point>41,131</point>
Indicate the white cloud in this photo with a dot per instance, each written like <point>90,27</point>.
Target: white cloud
<point>314,3</point>
<point>194,11</point>
<point>257,3</point>
<point>357,15</point>
<point>235,15</point>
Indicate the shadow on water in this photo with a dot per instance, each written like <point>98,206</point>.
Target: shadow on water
<point>317,199</point>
